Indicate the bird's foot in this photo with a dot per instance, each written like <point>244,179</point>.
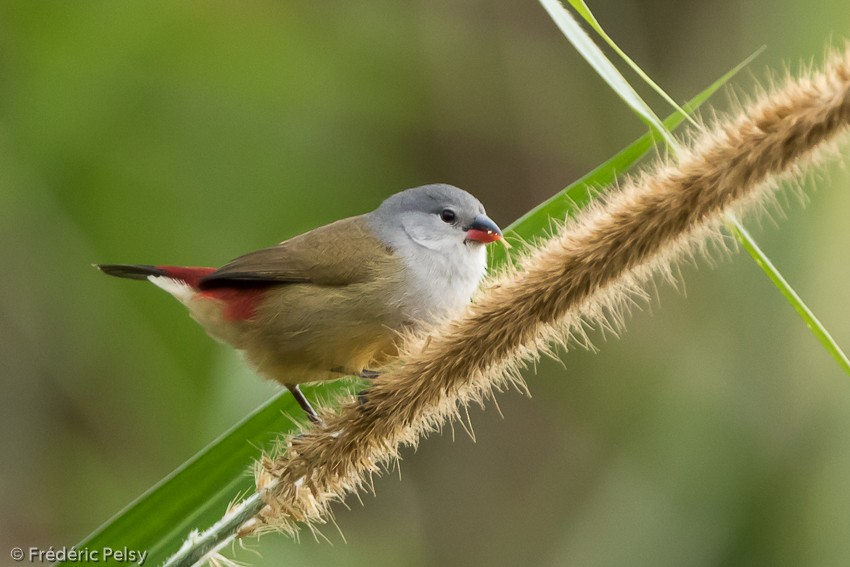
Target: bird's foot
<point>361,396</point>
<point>366,374</point>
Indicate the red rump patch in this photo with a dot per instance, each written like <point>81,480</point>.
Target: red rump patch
<point>239,303</point>
<point>190,275</point>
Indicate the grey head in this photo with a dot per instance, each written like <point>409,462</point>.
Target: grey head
<point>435,216</point>
<point>439,231</point>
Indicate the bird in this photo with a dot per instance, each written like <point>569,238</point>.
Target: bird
<point>334,301</point>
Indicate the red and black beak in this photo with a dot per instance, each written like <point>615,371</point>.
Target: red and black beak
<point>483,230</point>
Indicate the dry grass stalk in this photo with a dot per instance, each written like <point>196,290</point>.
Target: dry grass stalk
<point>588,271</point>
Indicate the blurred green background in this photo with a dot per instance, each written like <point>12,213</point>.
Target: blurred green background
<point>714,432</point>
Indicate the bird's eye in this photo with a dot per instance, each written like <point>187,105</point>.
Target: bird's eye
<point>447,215</point>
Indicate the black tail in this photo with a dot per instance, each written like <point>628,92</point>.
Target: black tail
<point>131,271</point>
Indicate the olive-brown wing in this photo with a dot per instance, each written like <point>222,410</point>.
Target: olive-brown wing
<point>337,254</point>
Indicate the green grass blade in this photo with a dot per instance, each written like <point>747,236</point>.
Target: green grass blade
<point>609,73</point>
<point>537,222</point>
<point>588,16</point>
<point>809,318</point>
<point>198,492</point>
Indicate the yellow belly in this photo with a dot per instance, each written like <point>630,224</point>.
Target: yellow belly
<point>305,333</point>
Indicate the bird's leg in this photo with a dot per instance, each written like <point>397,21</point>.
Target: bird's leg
<point>302,401</point>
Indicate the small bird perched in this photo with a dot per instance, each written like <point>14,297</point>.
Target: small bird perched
<point>331,302</point>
